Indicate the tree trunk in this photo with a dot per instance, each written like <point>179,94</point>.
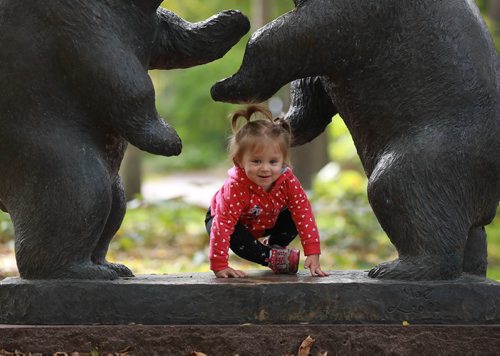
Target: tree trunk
<point>261,13</point>
<point>131,172</point>
<point>494,17</point>
<point>308,159</point>
<point>494,10</point>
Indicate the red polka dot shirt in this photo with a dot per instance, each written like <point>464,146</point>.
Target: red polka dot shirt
<point>241,200</point>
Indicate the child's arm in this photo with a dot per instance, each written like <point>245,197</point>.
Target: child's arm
<point>301,210</point>
<point>227,210</point>
<point>312,264</point>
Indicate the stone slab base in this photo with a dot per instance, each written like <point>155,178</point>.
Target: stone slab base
<point>253,339</point>
<point>345,297</point>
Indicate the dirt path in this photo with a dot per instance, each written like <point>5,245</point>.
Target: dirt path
<point>194,187</point>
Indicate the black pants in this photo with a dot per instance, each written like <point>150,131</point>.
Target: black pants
<point>244,244</point>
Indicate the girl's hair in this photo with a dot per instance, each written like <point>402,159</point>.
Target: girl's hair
<point>253,132</point>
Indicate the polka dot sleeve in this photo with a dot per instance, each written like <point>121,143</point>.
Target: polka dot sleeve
<point>300,207</point>
<point>229,205</point>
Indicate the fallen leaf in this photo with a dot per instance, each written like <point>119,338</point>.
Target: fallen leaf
<point>305,347</point>
<point>196,353</point>
<point>405,323</point>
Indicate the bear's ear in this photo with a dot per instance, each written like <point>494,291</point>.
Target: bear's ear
<point>148,5</point>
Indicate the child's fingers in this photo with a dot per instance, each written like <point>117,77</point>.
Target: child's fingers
<point>221,274</point>
<point>321,273</point>
<point>234,273</point>
<point>318,272</point>
<point>239,273</point>
<point>229,273</point>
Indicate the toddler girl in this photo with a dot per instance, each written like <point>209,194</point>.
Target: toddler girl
<point>261,198</point>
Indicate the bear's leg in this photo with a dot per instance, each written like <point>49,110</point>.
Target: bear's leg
<point>114,222</point>
<point>475,255</point>
<point>420,218</point>
<point>59,220</point>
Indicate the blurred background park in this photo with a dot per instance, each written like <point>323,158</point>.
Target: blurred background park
<point>163,230</point>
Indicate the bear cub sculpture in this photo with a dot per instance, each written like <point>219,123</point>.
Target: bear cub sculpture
<point>417,84</point>
<point>75,90</point>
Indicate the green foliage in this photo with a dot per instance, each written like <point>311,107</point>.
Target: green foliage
<point>348,226</point>
<point>167,222</point>
<point>482,4</point>
<point>493,26</point>
<point>162,237</point>
<point>6,228</point>
<point>183,96</point>
<point>493,233</point>
<point>183,99</point>
<point>350,232</point>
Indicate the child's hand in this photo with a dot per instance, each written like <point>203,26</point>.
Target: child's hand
<point>312,264</point>
<point>229,272</point>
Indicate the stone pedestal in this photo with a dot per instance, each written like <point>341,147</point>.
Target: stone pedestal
<point>261,313</point>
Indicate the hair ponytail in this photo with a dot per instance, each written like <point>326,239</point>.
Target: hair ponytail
<point>247,114</point>
<point>284,124</point>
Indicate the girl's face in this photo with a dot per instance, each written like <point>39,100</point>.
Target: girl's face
<point>263,165</point>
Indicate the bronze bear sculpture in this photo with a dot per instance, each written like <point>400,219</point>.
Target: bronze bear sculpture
<point>417,84</point>
<point>75,90</point>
